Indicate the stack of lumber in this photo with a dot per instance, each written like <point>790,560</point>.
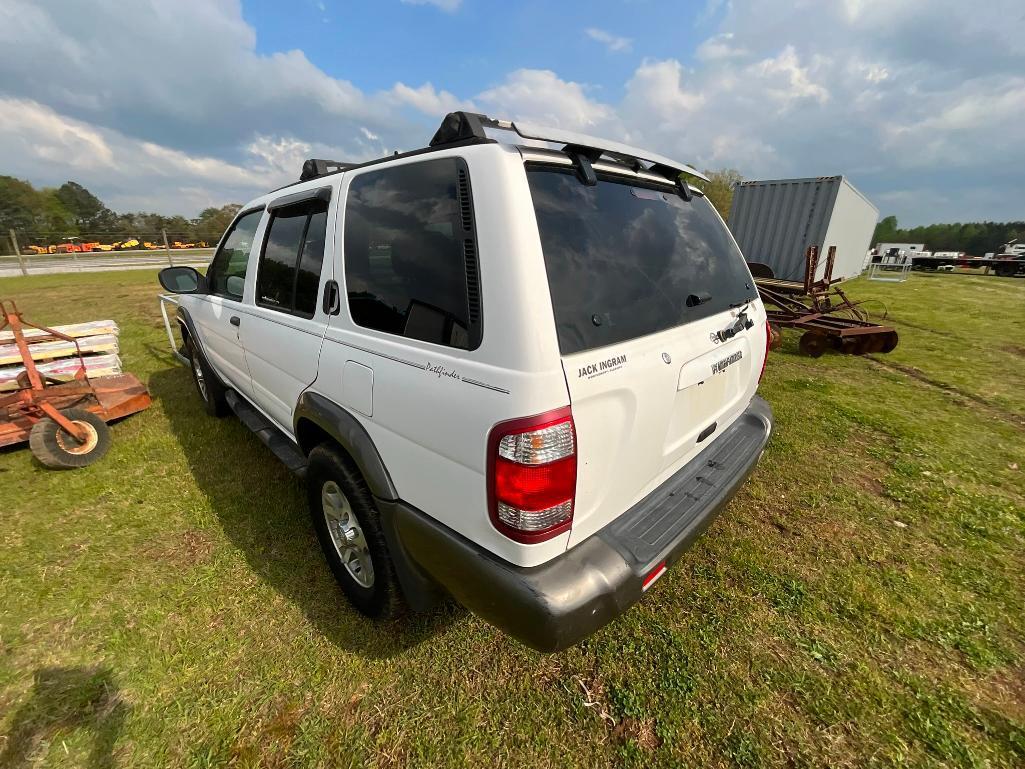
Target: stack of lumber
<point>58,359</point>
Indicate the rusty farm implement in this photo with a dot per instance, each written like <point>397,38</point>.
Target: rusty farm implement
<point>61,407</point>
<point>821,310</point>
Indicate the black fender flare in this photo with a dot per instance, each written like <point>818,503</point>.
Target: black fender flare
<point>420,590</point>
<point>347,431</point>
<point>189,326</point>
<point>185,319</point>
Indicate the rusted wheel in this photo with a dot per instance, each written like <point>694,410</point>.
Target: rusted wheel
<point>889,342</point>
<point>813,344</point>
<point>775,337</point>
<point>59,450</point>
<point>873,343</point>
<point>850,346</point>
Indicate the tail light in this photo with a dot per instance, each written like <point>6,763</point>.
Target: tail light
<point>768,341</point>
<point>532,475</point>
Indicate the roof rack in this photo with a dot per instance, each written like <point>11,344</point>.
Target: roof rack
<point>315,167</point>
<point>463,128</point>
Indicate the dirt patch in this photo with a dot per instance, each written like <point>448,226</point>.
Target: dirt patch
<point>1014,349</point>
<point>918,375</point>
<point>901,322</point>
<point>267,741</point>
<point>184,550</point>
<point>1003,690</point>
<point>640,730</point>
<point>865,479</point>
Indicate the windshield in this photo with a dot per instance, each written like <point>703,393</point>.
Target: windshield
<point>626,261</point>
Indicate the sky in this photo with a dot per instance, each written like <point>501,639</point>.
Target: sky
<point>175,105</point>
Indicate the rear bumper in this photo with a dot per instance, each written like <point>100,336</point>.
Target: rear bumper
<point>555,605</point>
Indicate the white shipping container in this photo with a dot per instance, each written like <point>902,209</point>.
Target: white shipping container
<point>774,221</point>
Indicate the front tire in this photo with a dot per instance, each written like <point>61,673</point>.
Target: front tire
<point>59,450</point>
<point>208,386</point>
<point>348,526</point>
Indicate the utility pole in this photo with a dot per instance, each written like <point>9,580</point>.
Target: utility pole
<point>74,257</point>
<point>17,252</point>
<point>167,248</point>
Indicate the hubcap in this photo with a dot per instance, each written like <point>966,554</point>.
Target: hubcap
<point>200,380</point>
<point>72,445</point>
<point>346,534</point>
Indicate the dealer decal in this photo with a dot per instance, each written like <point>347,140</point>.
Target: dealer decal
<point>591,370</point>
<point>721,365</point>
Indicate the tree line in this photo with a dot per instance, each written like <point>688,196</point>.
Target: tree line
<point>974,238</point>
<point>53,215</point>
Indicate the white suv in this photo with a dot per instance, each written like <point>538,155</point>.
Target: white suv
<point>522,374</point>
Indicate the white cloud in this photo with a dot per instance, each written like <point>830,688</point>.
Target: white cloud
<point>786,81</point>
<point>446,5</point>
<point>128,174</point>
<point>614,43</point>
<point>539,95</point>
<point>718,48</point>
<point>428,100</point>
<point>179,72</point>
<point>657,90</point>
<point>38,133</point>
<point>149,103</point>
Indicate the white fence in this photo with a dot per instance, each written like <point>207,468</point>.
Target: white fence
<point>98,261</point>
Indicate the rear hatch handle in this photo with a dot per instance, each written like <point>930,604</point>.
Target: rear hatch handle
<point>742,324</point>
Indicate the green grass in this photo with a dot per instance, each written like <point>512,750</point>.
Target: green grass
<point>860,603</point>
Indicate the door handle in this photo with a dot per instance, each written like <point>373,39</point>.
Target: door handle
<point>235,320</point>
<point>331,299</point>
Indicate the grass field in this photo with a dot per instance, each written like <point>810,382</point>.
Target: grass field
<point>860,603</point>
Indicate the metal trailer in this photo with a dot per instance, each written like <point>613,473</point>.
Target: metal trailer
<point>912,249</point>
<point>773,221</point>
<point>1002,265</point>
<point>65,423</point>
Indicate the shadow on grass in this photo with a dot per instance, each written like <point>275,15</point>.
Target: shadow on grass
<point>262,509</point>
<point>64,700</point>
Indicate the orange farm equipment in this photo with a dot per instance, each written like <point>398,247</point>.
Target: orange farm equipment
<point>65,422</point>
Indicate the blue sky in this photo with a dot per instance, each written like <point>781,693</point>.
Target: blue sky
<point>469,49</point>
<point>174,105</point>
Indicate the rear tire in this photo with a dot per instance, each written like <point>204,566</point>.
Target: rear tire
<point>348,526</point>
<point>59,450</point>
<point>208,386</point>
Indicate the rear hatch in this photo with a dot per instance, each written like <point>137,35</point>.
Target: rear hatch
<point>642,283</point>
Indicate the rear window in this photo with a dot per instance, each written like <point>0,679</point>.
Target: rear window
<point>626,261</point>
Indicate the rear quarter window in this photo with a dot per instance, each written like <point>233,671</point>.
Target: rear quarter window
<point>410,253</point>
<point>625,261</point>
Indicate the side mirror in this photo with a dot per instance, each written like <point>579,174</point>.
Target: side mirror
<point>182,280</point>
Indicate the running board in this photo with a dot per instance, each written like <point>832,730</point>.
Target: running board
<point>279,443</point>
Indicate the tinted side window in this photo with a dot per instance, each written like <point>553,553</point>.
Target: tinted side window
<point>227,271</point>
<point>410,255</point>
<point>293,252</point>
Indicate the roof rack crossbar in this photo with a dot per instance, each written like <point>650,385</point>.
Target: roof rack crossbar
<point>462,126</point>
